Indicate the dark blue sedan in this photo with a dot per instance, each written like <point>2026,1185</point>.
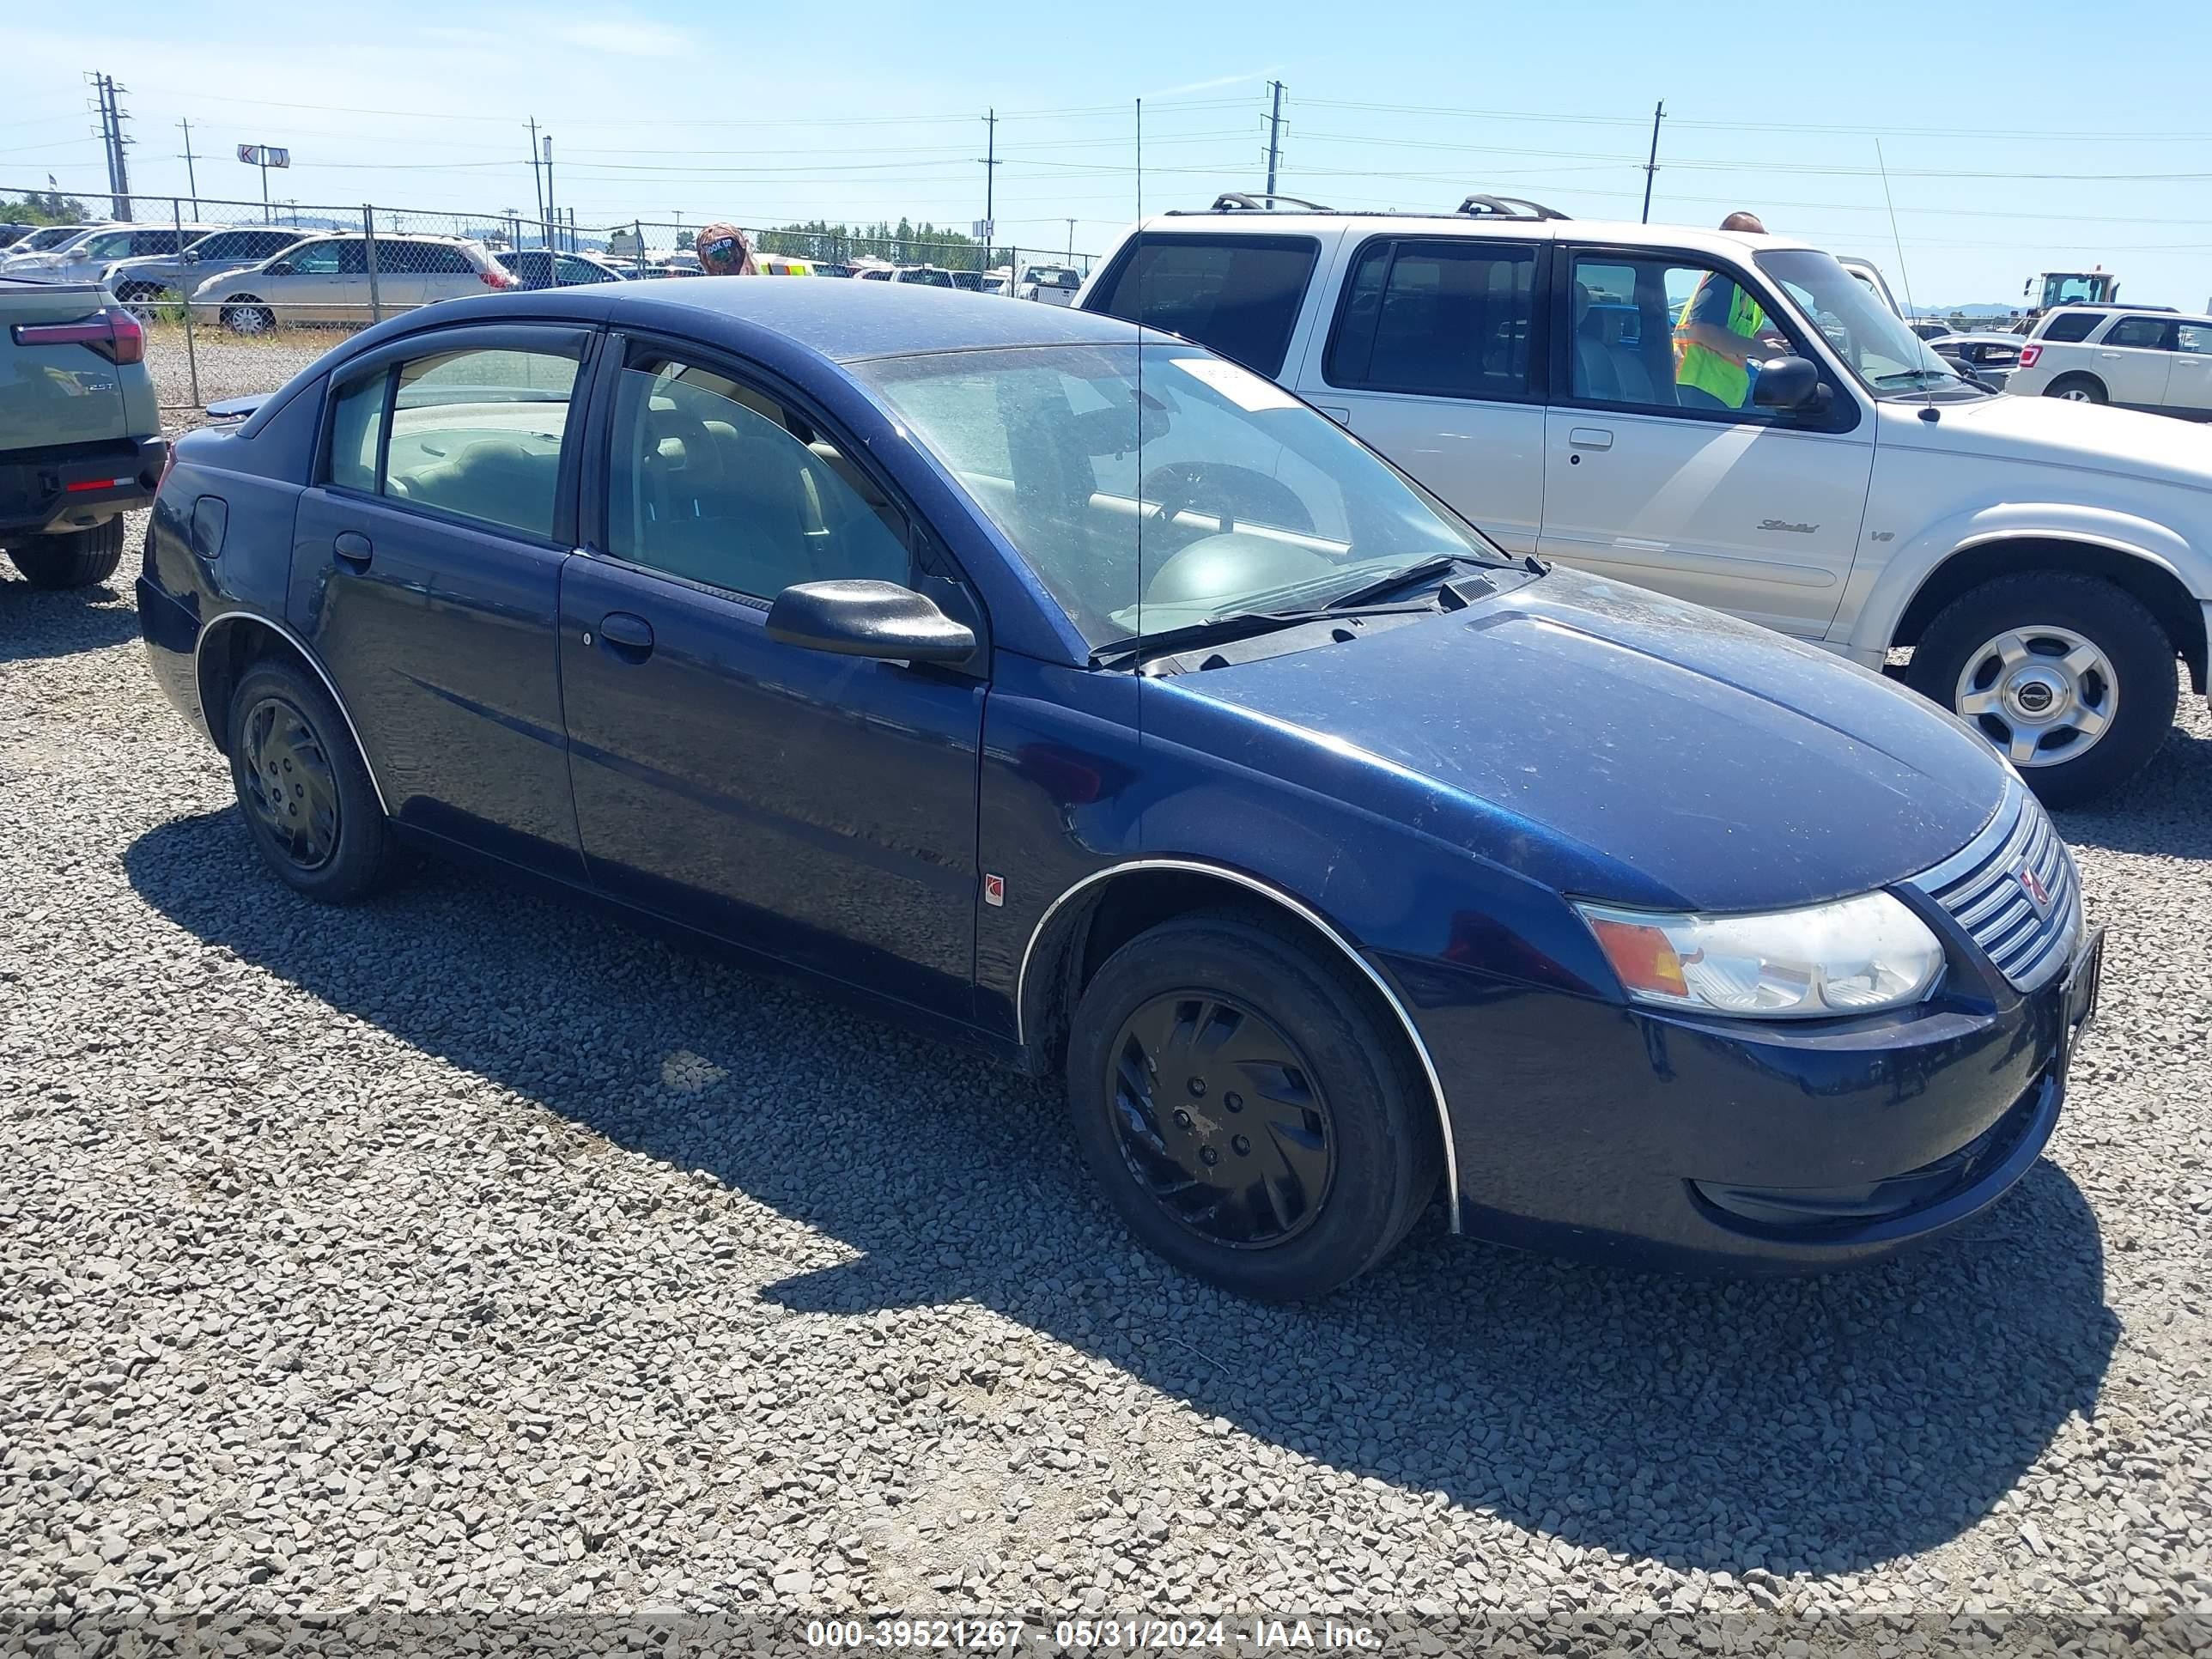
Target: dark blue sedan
<point>1098,704</point>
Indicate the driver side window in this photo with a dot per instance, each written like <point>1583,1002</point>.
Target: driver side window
<point>321,259</point>
<point>1668,336</point>
<point>712,482</point>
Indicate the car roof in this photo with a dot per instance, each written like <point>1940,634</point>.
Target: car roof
<point>381,235</point>
<point>1677,238</point>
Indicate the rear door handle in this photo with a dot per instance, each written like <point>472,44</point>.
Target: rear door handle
<point>630,637</point>
<point>1590,437</point>
<point>353,549</point>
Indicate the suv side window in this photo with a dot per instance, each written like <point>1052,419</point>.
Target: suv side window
<point>352,257</point>
<point>1238,295</point>
<point>1666,335</point>
<point>437,260</point>
<point>2144,333</point>
<point>575,272</point>
<point>153,241</point>
<point>2196,339</point>
<point>712,482</point>
<point>1427,314</point>
<point>321,259</point>
<point>2071,326</point>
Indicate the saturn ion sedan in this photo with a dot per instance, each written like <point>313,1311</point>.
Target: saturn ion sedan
<point>1078,695</point>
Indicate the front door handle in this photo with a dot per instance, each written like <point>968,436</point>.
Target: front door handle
<point>1590,437</point>
<point>353,549</point>
<point>628,636</point>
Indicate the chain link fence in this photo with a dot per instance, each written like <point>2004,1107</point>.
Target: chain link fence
<point>237,297</point>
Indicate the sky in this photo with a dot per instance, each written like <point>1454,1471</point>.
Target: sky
<point>2015,139</point>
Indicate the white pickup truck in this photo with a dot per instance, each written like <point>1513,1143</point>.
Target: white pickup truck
<point>1736,421</point>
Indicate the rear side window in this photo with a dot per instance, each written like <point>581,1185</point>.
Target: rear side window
<point>1432,315</point>
<point>436,259</point>
<point>1238,295</point>
<point>2070,326</point>
<point>2148,333</point>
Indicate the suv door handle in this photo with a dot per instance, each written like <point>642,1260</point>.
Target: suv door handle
<point>630,637</point>
<point>1589,437</point>
<point>353,549</point>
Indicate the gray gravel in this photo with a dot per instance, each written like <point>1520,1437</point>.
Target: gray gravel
<point>465,1251</point>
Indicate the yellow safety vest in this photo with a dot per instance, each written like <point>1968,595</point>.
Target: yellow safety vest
<point>1706,369</point>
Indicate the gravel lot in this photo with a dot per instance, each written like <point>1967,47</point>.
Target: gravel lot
<point>465,1253</point>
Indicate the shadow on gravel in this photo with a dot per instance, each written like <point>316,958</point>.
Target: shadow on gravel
<point>1800,1425</point>
<point>35,622</point>
<point>2165,810</point>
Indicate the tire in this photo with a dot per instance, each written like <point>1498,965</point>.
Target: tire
<point>2077,389</point>
<point>244,314</point>
<point>2134,686</point>
<point>303,788</point>
<point>76,559</point>
<point>142,300</point>
<point>1349,1107</point>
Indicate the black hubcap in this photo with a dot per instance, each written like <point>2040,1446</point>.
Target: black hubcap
<point>1220,1119</point>
<point>290,787</point>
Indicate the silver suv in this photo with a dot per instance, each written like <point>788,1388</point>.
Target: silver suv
<point>332,279</point>
<point>140,281</point>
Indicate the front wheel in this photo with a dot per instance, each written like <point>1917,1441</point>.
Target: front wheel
<point>245,315</point>
<point>76,559</point>
<point>1248,1114</point>
<point>304,791</point>
<point>142,300</point>
<point>2069,675</point>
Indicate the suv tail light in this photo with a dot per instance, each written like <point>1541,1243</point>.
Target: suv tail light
<point>115,335</point>
<point>498,279</point>
<point>2028,354</point>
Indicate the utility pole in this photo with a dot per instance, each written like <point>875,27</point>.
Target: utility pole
<point>537,178</point>
<point>1070,241</point>
<point>191,177</point>
<point>1651,167</point>
<point>1274,135</point>
<point>552,212</point>
<point>990,178</point>
<point>112,139</point>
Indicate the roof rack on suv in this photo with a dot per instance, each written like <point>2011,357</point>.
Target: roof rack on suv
<point>1261,202</point>
<point>1507,207</point>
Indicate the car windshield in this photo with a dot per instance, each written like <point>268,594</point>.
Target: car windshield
<point>1886,354</point>
<point>1205,492</point>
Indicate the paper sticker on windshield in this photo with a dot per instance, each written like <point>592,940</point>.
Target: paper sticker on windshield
<point>1240,385</point>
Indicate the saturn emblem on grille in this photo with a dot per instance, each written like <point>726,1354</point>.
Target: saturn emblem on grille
<point>2037,894</point>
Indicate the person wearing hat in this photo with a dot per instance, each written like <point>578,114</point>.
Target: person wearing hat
<point>723,252</point>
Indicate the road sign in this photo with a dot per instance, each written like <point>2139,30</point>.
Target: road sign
<point>982,229</point>
<point>264,155</point>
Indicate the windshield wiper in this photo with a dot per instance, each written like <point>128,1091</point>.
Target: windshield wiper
<point>1240,625</point>
<point>1421,570</point>
<point>1911,379</point>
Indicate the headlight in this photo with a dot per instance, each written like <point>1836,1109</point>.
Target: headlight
<point>1854,957</point>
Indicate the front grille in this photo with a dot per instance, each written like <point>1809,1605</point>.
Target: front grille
<point>1984,888</point>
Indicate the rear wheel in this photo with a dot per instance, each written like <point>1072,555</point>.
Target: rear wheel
<point>77,559</point>
<point>1246,1112</point>
<point>247,315</point>
<point>303,787</point>
<point>142,300</point>
<point>2069,675</point>
<point>2077,389</point>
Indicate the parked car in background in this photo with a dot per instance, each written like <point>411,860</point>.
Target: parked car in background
<point>2157,361</point>
<point>2045,566</point>
<point>536,268</point>
<point>659,269</point>
<point>1780,967</point>
<point>35,249</point>
<point>88,258</point>
<point>1988,359</point>
<point>327,279</point>
<point>1055,285</point>
<point>144,281</point>
<point>12,232</point>
<point>80,430</point>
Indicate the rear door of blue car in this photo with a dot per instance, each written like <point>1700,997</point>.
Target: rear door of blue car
<point>426,574</point>
<point>817,807</point>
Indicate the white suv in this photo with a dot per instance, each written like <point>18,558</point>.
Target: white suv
<point>2148,359</point>
<point>1736,421</point>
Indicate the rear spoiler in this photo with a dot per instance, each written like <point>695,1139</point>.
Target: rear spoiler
<point>229,411</point>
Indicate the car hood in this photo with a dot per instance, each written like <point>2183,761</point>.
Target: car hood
<point>1615,743</point>
<point>2047,432</point>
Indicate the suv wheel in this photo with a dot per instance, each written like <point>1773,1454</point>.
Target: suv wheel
<point>1245,1112</point>
<point>2069,675</point>
<point>246,315</point>
<point>142,300</point>
<point>78,559</point>
<point>302,786</point>
<point>2077,389</point>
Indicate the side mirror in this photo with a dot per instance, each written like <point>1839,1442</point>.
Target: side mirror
<point>1790,386</point>
<point>881,620</point>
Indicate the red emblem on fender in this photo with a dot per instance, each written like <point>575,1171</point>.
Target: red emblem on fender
<point>994,889</point>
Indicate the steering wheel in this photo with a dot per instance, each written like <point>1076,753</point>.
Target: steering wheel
<point>1218,488</point>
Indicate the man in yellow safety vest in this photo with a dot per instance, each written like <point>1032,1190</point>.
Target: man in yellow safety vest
<point>1725,334</point>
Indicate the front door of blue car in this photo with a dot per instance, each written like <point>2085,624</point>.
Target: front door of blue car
<point>819,807</point>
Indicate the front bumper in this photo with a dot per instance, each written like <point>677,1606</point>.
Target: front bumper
<point>79,487</point>
<point>1654,1140</point>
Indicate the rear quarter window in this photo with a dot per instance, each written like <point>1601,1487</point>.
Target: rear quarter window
<point>2070,326</point>
<point>1238,295</point>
